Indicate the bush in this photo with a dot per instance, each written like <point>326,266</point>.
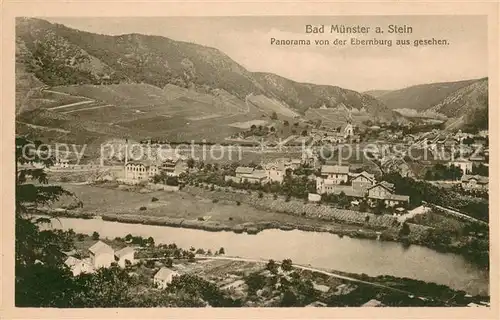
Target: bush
<point>261,194</point>
<point>154,199</point>
<point>275,196</point>
<point>142,208</point>
<point>215,200</point>
<point>230,218</point>
<point>238,203</point>
<point>95,236</point>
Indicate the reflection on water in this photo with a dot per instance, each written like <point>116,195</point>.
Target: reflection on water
<point>323,250</point>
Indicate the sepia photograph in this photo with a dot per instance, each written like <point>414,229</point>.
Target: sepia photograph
<point>252,161</point>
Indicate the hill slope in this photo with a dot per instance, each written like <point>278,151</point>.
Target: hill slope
<point>61,56</point>
<point>468,106</point>
<point>420,97</point>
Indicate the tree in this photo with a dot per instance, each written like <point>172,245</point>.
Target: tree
<point>343,200</point>
<point>95,235</point>
<point>286,265</point>
<point>405,230</point>
<point>41,278</point>
<point>190,163</point>
<point>274,116</point>
<point>222,251</point>
<point>151,241</point>
<point>272,266</point>
<point>255,281</point>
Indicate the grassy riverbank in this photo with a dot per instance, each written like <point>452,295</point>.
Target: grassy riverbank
<point>219,209</point>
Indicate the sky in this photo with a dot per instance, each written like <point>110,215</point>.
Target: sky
<point>247,40</point>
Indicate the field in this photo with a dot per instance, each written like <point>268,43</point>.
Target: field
<point>144,111</point>
<point>182,206</point>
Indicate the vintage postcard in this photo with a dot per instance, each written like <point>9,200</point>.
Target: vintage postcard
<point>249,159</point>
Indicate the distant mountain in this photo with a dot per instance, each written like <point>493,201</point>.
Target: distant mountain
<point>420,97</point>
<point>59,56</point>
<point>376,93</point>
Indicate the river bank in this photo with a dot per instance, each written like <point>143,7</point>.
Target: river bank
<point>319,249</point>
<point>237,211</point>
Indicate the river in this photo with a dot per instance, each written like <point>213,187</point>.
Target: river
<point>321,250</point>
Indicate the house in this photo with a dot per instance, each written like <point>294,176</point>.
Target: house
<point>248,174</point>
<point>474,182</point>
<point>275,172</point>
<point>385,191</point>
<point>101,255</point>
<point>164,277</point>
<point>140,170</point>
<point>363,180</point>
<point>277,169</point>
<point>257,176</point>
<point>337,174</point>
<point>241,171</point>
<point>125,254</point>
<point>78,266</point>
<point>463,164</point>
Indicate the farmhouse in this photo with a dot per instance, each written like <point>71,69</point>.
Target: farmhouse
<point>164,277</point>
<point>337,174</point>
<point>125,254</point>
<point>248,174</point>
<point>385,191</point>
<point>101,255</point>
<point>363,180</point>
<point>476,182</point>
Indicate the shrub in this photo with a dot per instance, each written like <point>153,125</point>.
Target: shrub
<point>154,199</point>
<point>142,208</point>
<point>215,200</point>
<point>95,236</point>
<point>238,203</point>
<point>275,196</point>
<point>230,218</point>
<point>261,194</point>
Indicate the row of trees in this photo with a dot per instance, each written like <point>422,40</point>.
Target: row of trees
<point>442,172</point>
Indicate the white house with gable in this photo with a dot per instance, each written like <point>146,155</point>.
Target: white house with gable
<point>101,255</point>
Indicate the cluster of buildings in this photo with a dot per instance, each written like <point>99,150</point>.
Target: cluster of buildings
<point>274,171</point>
<point>137,171</point>
<point>336,179</point>
<point>101,255</point>
<point>344,135</point>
